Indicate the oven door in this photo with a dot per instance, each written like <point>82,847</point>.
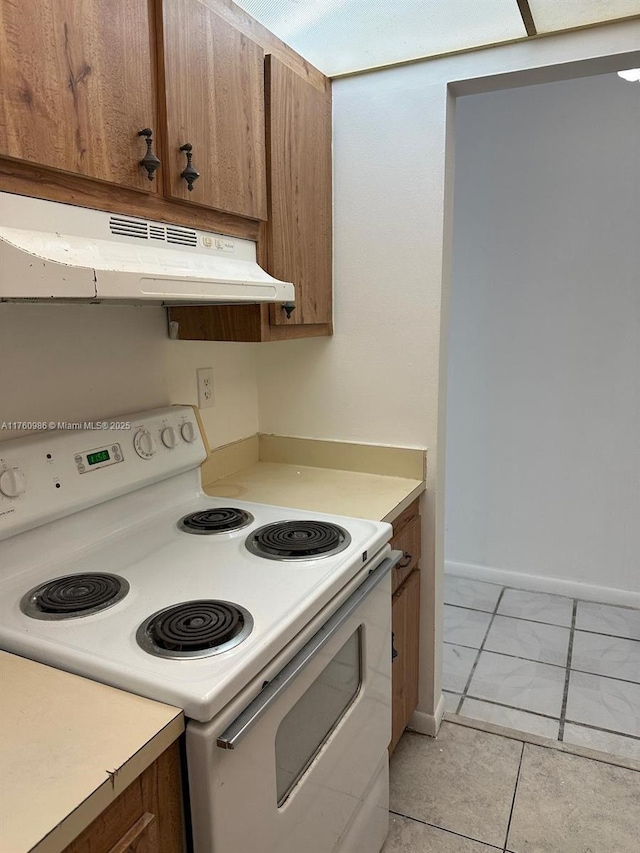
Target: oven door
<point>295,767</point>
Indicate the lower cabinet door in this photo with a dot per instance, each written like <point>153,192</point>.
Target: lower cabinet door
<point>145,818</point>
<point>405,625</point>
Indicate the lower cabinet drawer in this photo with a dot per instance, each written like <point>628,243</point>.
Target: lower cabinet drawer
<point>407,541</point>
<point>141,838</point>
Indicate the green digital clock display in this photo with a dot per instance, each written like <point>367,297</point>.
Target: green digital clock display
<point>100,456</point>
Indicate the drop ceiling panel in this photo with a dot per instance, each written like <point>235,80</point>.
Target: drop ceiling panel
<point>551,15</point>
<point>339,36</point>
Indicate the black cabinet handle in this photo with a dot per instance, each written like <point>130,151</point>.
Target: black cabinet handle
<point>189,173</point>
<point>150,162</point>
<point>404,562</point>
<point>394,651</point>
<point>289,308</point>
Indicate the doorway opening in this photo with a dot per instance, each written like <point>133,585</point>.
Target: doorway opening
<point>542,542</point>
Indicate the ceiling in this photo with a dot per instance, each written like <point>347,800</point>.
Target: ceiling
<point>344,36</point>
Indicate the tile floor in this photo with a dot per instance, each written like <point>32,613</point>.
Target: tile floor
<point>469,791</point>
<point>544,664</point>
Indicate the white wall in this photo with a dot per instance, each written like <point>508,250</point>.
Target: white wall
<point>383,376</point>
<point>81,362</point>
<point>543,437</point>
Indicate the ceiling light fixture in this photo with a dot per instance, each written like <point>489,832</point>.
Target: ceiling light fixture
<point>631,74</point>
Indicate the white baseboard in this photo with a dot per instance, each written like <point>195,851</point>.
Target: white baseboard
<point>538,583</point>
<point>428,724</point>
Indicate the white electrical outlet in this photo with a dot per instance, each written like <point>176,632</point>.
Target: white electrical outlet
<point>205,387</point>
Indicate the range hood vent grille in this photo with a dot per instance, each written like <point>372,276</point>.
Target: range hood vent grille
<point>122,227</point>
<point>129,227</point>
<point>54,252</point>
<point>182,236</point>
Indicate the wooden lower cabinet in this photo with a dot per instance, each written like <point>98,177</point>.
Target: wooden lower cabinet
<point>405,621</point>
<point>146,818</point>
<point>407,541</point>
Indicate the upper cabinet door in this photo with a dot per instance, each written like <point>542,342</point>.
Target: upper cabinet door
<point>214,87</point>
<point>77,85</point>
<point>298,245</point>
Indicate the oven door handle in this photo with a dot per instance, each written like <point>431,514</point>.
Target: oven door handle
<point>252,713</point>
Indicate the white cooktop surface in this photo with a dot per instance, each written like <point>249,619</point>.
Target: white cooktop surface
<point>137,538</point>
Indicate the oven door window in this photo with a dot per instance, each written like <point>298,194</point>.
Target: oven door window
<point>309,723</point>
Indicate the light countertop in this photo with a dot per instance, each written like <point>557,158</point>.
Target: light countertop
<point>338,492</point>
<point>68,747</point>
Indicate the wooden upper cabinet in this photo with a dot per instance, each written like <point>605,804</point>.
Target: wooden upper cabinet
<point>77,83</point>
<point>298,234</point>
<point>79,80</point>
<point>213,81</point>
<point>296,240</point>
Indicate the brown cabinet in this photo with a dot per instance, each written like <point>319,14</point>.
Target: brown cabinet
<point>296,240</point>
<point>79,80</point>
<point>76,86</point>
<point>405,618</point>
<point>213,81</point>
<point>407,541</point>
<point>145,818</point>
<point>297,236</point>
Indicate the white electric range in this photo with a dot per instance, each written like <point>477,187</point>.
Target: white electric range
<point>268,626</point>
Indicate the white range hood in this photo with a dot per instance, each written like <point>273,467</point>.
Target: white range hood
<point>51,251</point>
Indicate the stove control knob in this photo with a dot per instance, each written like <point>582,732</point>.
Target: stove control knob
<point>12,483</point>
<point>144,444</point>
<point>188,432</point>
<point>169,437</point>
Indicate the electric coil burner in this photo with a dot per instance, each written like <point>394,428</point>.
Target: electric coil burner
<point>298,540</point>
<point>217,520</point>
<point>195,629</point>
<point>74,595</point>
